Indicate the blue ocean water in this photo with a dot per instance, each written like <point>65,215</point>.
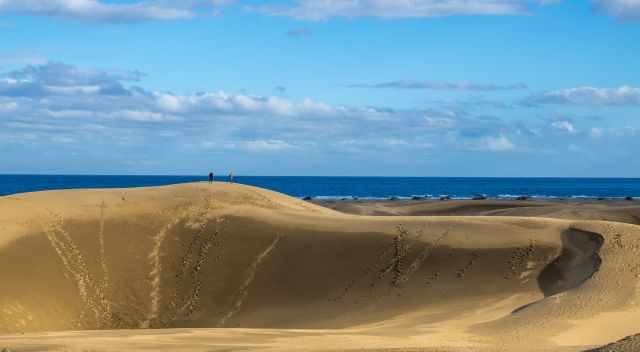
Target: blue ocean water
<point>361,187</point>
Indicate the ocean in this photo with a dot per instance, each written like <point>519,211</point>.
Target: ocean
<point>356,187</point>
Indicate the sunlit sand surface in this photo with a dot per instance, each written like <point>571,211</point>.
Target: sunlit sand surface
<point>225,267</point>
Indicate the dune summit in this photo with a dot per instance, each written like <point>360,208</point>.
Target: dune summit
<point>200,267</point>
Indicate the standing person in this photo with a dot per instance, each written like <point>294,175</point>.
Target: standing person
<point>231,177</point>
<point>211,177</point>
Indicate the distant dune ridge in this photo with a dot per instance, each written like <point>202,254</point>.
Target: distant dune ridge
<point>608,210</point>
<point>222,267</point>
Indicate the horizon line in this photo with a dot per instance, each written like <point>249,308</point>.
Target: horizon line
<point>225,175</point>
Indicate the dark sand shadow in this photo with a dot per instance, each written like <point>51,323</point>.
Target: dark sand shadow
<point>577,263</point>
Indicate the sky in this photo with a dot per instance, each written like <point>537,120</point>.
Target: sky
<point>540,88</point>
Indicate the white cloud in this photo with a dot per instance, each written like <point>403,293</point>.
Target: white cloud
<point>325,9</point>
<point>596,132</point>
<point>620,9</point>
<point>143,116</point>
<point>62,139</point>
<point>128,115</point>
<point>432,85</point>
<point>377,144</point>
<point>267,145</point>
<point>103,11</point>
<point>18,137</point>
<point>439,122</point>
<point>56,78</point>
<point>564,126</point>
<point>10,106</point>
<point>254,146</point>
<point>222,102</point>
<point>393,142</point>
<point>53,100</point>
<point>496,144</point>
<point>623,95</point>
<point>106,11</point>
<point>169,102</point>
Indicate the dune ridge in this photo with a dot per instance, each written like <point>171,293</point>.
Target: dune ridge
<point>217,267</point>
<point>607,210</point>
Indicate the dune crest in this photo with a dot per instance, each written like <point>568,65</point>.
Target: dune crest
<point>284,273</point>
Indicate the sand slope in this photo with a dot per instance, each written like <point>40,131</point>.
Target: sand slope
<point>222,267</point>
<point>609,210</point>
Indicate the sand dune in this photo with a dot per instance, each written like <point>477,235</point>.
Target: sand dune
<point>608,210</point>
<point>224,267</point>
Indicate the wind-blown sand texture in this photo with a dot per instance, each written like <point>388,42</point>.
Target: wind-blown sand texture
<point>609,210</point>
<point>226,267</point>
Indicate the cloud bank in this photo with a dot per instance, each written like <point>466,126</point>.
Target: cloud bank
<point>588,96</point>
<point>309,10</point>
<point>56,101</point>
<point>432,85</point>
<point>321,10</point>
<point>102,11</point>
<point>56,110</point>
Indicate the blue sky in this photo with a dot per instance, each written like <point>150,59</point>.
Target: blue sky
<point>325,87</point>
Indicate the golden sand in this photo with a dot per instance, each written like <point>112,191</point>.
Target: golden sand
<point>225,267</point>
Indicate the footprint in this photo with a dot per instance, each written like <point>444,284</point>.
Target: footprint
<point>433,277</point>
<point>460,273</point>
<point>91,294</point>
<point>518,260</point>
<point>395,260</point>
<point>251,274</point>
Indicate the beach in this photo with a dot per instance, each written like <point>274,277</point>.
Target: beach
<point>226,267</point>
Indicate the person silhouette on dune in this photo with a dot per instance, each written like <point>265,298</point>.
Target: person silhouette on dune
<point>211,177</point>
